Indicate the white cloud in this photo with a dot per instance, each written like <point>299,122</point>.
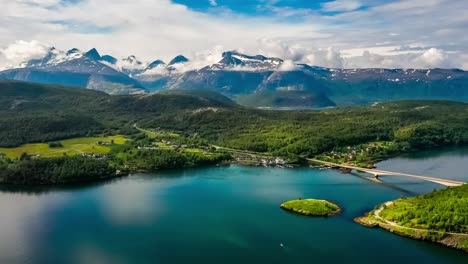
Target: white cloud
<point>433,58</point>
<point>198,60</point>
<point>213,3</point>
<point>45,3</point>
<point>21,51</point>
<point>159,70</point>
<point>329,57</point>
<point>288,65</point>
<point>160,29</point>
<point>276,48</point>
<point>326,57</point>
<point>424,59</point>
<point>341,6</point>
<point>464,62</point>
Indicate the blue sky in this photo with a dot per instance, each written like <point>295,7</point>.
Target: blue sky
<point>332,33</point>
<point>263,7</point>
<point>250,7</point>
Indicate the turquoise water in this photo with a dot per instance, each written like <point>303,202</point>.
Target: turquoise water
<point>218,215</point>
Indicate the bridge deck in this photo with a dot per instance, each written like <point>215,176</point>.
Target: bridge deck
<point>391,173</point>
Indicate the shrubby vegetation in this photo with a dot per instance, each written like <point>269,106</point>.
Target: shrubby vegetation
<point>55,145</point>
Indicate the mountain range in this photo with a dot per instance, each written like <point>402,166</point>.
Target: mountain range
<point>258,81</point>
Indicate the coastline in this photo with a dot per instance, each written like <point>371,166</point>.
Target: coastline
<point>447,239</point>
<point>255,160</point>
<point>372,219</point>
<point>337,212</point>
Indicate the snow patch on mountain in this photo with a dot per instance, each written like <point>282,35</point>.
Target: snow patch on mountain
<point>158,70</point>
<point>53,57</point>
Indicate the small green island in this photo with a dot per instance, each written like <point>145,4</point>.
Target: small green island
<point>312,207</point>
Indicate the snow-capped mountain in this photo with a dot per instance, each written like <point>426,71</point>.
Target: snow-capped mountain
<point>75,68</point>
<point>178,60</point>
<point>256,80</point>
<point>159,69</point>
<point>54,56</point>
<point>234,60</point>
<point>154,64</point>
<point>131,66</point>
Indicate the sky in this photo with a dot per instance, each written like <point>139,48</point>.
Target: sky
<point>328,33</point>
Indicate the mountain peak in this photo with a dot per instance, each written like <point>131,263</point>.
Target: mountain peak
<point>93,54</point>
<point>257,62</point>
<point>178,59</point>
<point>155,64</point>
<point>109,59</point>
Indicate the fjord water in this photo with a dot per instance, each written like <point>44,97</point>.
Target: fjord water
<point>220,215</point>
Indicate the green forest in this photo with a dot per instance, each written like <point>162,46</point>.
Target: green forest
<point>34,113</point>
<point>443,210</point>
<point>54,170</point>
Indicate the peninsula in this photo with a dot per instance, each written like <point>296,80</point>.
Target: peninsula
<point>440,216</point>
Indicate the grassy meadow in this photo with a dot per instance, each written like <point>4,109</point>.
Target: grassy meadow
<point>69,147</point>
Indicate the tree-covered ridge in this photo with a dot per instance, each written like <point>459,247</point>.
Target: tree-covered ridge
<point>411,124</point>
<point>31,113</point>
<point>443,210</point>
<point>39,113</point>
<point>19,129</point>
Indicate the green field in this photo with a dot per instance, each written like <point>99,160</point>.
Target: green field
<point>70,147</point>
<point>311,207</point>
<point>158,134</point>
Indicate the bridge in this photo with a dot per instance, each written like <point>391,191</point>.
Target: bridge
<point>378,173</point>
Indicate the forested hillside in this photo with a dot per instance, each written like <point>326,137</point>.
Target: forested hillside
<point>414,124</point>
<point>32,113</point>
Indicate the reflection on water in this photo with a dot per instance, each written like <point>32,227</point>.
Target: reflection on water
<point>450,163</point>
<point>42,190</point>
<point>211,215</point>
